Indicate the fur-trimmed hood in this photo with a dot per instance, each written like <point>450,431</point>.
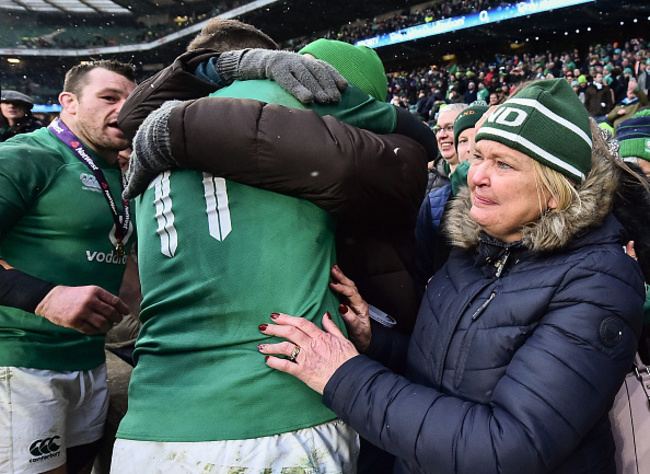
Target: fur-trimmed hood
<point>558,228</point>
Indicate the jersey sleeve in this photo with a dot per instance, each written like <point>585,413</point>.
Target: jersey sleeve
<point>23,176</point>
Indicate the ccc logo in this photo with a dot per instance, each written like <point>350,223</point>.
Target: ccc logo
<point>44,446</point>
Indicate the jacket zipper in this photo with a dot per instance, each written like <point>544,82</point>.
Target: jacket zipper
<point>501,264</point>
<point>482,308</point>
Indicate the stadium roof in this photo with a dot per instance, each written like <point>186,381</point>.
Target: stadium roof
<point>65,6</point>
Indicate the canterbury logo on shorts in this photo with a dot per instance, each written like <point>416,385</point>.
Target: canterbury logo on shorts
<point>43,449</point>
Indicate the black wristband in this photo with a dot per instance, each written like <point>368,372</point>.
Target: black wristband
<point>22,291</point>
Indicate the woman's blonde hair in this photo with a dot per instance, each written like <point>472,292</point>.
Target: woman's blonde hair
<point>560,187</point>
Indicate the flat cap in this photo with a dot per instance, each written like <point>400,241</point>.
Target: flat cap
<point>15,96</point>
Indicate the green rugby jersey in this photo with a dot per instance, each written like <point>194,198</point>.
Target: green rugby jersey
<point>216,258</point>
<point>55,224</point>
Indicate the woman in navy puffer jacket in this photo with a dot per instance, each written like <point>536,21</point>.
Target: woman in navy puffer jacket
<point>523,338</point>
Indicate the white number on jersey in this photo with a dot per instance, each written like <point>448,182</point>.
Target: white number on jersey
<point>216,208</point>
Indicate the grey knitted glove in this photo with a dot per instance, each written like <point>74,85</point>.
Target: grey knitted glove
<point>151,151</point>
<point>305,78</point>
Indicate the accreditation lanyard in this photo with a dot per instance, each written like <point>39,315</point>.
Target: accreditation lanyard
<point>122,222</point>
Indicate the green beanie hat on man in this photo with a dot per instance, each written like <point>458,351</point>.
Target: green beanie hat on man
<point>468,118</point>
<point>547,122</point>
<point>360,65</point>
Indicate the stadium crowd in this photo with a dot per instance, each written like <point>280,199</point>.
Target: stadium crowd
<point>425,13</point>
<point>605,68</point>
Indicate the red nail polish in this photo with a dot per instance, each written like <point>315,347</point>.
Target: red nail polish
<point>266,358</point>
<point>275,315</point>
<point>263,327</point>
<point>343,308</point>
<point>329,316</point>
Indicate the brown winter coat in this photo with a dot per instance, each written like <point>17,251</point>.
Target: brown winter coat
<point>372,183</point>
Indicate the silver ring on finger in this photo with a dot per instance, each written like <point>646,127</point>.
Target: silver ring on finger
<point>294,353</point>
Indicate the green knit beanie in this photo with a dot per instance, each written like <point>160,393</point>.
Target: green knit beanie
<point>547,122</point>
<point>360,65</point>
<point>468,118</point>
<point>634,136</point>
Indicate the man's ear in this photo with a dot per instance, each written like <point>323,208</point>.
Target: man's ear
<point>69,102</point>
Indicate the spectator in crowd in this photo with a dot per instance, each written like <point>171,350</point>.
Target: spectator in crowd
<point>606,69</point>
<point>635,100</point>
<point>470,93</point>
<point>643,76</point>
<point>436,101</point>
<point>454,96</point>
<point>464,131</point>
<point>60,272</point>
<point>599,100</point>
<point>616,82</point>
<point>483,92</point>
<point>567,74</point>
<point>628,75</point>
<point>423,106</point>
<point>502,339</point>
<point>503,92</point>
<point>583,83</point>
<point>446,162</point>
<point>492,72</point>
<point>493,83</point>
<point>16,108</point>
<point>432,248</point>
<point>399,100</point>
<point>575,85</point>
<point>638,61</point>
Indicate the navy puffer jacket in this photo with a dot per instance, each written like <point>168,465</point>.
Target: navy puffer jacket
<point>427,233</point>
<point>518,350</point>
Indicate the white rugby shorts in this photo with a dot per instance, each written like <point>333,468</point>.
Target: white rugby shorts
<point>330,448</point>
<point>43,412</point>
